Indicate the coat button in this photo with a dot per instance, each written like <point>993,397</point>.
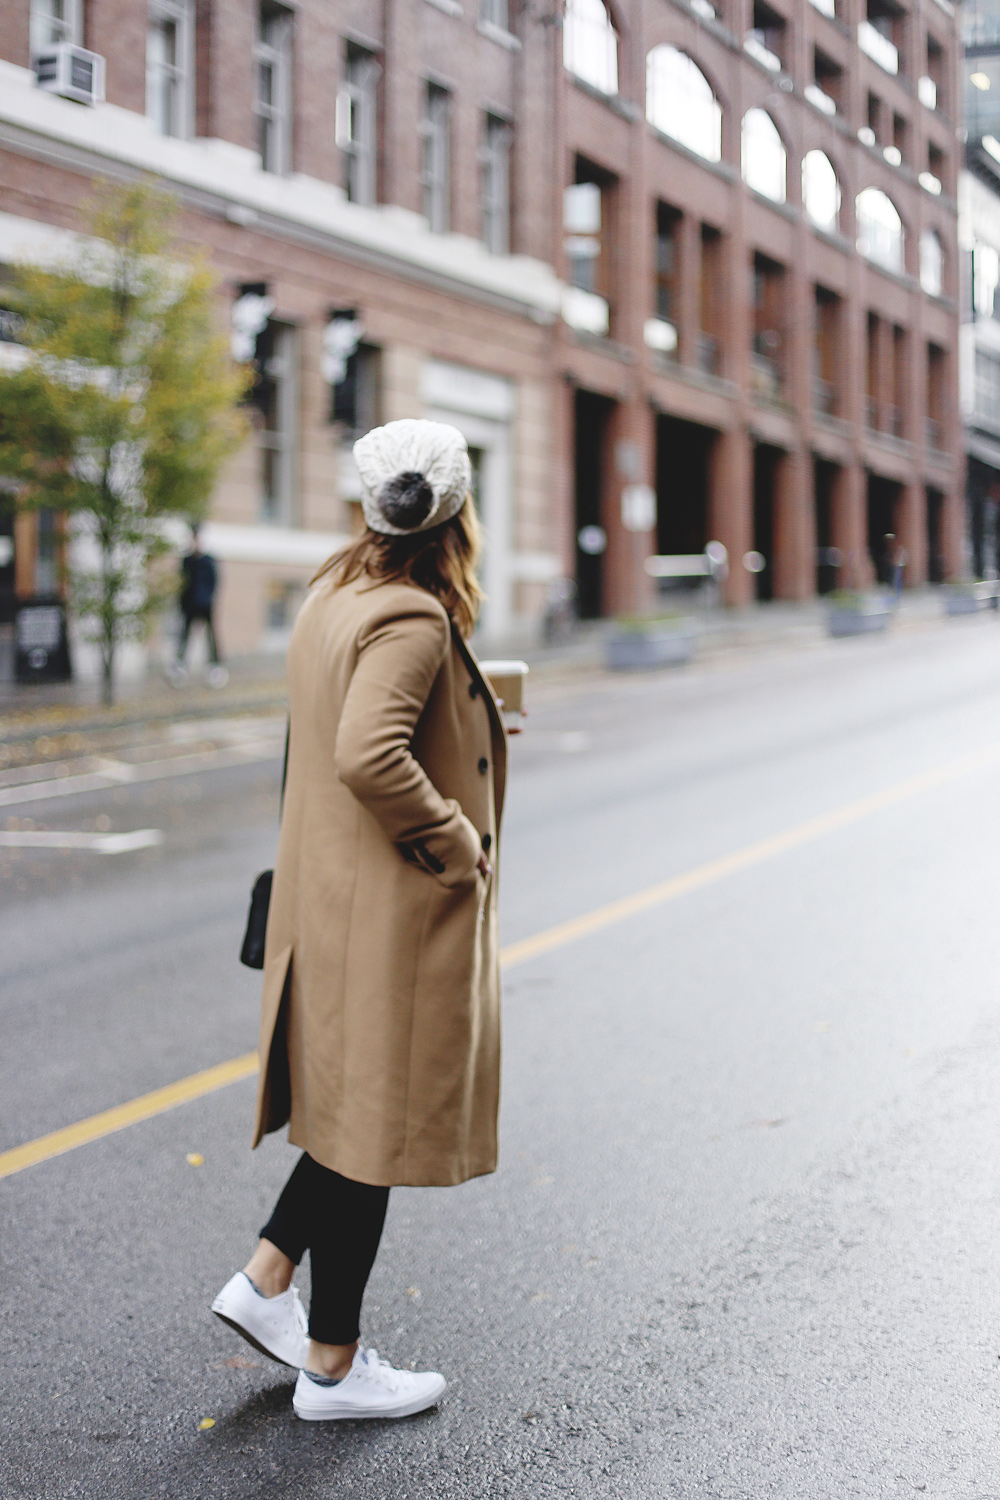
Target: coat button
<point>487,842</point>
<point>473,689</point>
<point>484,765</point>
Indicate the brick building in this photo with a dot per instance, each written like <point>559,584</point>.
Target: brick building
<point>704,249</point>
<point>775,188</point>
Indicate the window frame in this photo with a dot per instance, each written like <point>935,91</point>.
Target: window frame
<point>181,14</point>
<point>279,365</point>
<point>71,26</point>
<point>494,160</point>
<point>274,117</point>
<point>435,171</point>
<point>684,88</point>
<point>749,171</point>
<point>357,124</point>
<point>604,78</point>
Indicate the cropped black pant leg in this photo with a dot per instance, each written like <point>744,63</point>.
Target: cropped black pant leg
<point>340,1223</point>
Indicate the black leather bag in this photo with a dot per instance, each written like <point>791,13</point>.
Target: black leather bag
<point>252,952</point>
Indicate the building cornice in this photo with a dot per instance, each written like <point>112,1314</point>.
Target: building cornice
<point>226,181</point>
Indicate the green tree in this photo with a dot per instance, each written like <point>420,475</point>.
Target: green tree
<point>123,406</point>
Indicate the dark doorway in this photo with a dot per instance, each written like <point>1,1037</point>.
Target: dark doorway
<point>883,503</point>
<point>683,450</point>
<point>935,539</point>
<point>765,472</point>
<point>591,414</point>
<point>827,557</point>
<point>982,493</point>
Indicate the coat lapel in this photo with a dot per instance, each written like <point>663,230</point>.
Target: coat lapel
<point>498,732</point>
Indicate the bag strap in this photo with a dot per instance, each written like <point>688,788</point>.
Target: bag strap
<point>284,769</point>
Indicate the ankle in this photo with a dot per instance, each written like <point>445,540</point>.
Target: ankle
<point>332,1360</point>
<point>270,1270</point>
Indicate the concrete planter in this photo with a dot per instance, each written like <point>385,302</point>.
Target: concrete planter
<point>867,615</point>
<point>961,602</point>
<point>656,645</point>
<point>970,598</point>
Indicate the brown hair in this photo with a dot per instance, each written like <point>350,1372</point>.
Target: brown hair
<point>441,560</point>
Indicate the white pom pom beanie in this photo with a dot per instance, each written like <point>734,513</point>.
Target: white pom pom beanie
<point>414,475</point>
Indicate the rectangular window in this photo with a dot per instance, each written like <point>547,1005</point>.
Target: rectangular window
<point>767,352</point>
<point>54,21</point>
<point>667,289</point>
<point>872,373</point>
<point>987,388</point>
<point>436,175</point>
<point>937,371</point>
<point>710,301</point>
<point>357,124</point>
<point>766,39</point>
<point>881,35</point>
<point>169,52</point>
<point>588,219</point>
<point>900,404</point>
<point>495,164</point>
<point>356,398</point>
<point>273,57</point>
<point>494,13</point>
<point>275,396</point>
<point>829,76</point>
<point>826,351</point>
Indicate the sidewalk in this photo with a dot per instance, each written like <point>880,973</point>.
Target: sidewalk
<point>256,685</point>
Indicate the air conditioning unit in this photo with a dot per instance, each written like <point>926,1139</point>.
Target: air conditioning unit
<point>71,72</point>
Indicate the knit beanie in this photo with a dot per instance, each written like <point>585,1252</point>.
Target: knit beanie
<point>414,475</point>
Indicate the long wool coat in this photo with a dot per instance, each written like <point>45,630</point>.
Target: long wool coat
<point>380,1028</point>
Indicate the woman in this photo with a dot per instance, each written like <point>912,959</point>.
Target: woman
<point>379,1038</point>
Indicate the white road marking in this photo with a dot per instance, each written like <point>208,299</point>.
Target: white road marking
<point>117,773</point>
<point>96,843</point>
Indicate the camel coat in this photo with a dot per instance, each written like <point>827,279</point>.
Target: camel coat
<point>380,1025</point>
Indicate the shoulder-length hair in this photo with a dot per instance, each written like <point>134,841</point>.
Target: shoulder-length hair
<point>442,560</point>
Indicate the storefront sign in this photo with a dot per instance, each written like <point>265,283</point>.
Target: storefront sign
<point>41,641</point>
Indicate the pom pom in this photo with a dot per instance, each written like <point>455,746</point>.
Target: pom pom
<point>406,500</point>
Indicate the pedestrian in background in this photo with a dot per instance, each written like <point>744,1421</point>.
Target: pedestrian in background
<point>380,1036</point>
<point>199,581</point>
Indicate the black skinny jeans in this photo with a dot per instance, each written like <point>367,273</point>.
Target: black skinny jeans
<point>340,1223</point>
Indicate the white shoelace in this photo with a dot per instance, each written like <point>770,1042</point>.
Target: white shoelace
<point>372,1368</point>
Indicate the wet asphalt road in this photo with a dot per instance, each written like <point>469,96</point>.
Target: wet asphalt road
<point>744,1239</point>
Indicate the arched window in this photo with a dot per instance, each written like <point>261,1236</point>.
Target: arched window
<point>820,191</point>
<point>590,45</point>
<point>931,263</point>
<point>680,102</point>
<point>763,155</point>
<point>880,229</point>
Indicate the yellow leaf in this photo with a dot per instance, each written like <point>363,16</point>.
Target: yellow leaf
<point>206,1423</point>
<point>195,1159</point>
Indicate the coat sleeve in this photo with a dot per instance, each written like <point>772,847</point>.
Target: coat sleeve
<point>398,660</point>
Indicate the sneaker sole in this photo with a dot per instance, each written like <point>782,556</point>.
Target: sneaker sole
<point>245,1333</point>
<point>363,1413</point>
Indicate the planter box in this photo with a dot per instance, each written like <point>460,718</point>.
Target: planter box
<point>960,602</point>
<point>970,600</point>
<point>639,650</point>
<point>869,617</point>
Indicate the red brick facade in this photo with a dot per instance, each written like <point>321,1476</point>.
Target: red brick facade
<point>816,412</point>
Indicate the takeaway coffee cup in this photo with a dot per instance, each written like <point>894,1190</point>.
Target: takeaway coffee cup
<point>506,678</point>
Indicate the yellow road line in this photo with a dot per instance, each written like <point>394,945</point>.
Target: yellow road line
<point>198,1084</point>
<point>143,1108</point>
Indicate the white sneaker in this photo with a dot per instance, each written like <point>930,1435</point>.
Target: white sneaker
<point>217,677</point>
<point>370,1389</point>
<point>277,1326</point>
